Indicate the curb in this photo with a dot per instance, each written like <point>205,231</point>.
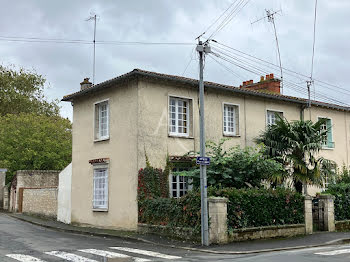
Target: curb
<point>329,243</point>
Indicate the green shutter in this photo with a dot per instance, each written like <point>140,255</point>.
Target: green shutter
<point>329,134</point>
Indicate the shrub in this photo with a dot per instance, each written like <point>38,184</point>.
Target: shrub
<point>341,192</point>
<point>262,207</point>
<point>152,183</point>
<point>172,212</point>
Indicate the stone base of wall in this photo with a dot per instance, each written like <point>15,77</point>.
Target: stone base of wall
<point>178,233</point>
<point>40,201</point>
<point>266,232</point>
<point>343,225</point>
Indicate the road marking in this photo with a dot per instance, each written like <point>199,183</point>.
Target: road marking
<point>69,256</point>
<point>334,252</point>
<point>24,258</point>
<point>110,254</point>
<point>145,252</point>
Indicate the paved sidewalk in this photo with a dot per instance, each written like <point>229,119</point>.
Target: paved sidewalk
<point>256,246</point>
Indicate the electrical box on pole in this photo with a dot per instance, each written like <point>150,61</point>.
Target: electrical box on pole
<point>202,50</point>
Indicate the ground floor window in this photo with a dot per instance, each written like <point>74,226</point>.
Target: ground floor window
<point>100,187</point>
<point>179,184</point>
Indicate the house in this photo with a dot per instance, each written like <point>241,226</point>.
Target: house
<point>120,121</point>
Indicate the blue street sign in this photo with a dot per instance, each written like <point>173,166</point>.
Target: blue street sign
<point>205,161</point>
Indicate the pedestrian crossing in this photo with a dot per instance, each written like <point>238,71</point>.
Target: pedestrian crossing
<point>129,254</point>
<point>334,252</point>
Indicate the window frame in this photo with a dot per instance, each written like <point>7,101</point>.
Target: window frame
<point>97,129</point>
<point>189,187</point>
<point>98,166</point>
<point>189,114</point>
<point>326,146</point>
<point>237,125</point>
<point>272,110</point>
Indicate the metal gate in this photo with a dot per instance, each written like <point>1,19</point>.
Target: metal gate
<point>318,215</point>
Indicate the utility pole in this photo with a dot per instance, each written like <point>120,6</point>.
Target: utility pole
<point>202,50</point>
<point>308,84</point>
<point>93,17</point>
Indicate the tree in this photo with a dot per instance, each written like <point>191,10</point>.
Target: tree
<point>296,144</point>
<point>21,91</point>
<point>29,141</point>
<point>236,167</point>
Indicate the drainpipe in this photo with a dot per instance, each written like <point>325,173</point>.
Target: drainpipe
<point>302,108</point>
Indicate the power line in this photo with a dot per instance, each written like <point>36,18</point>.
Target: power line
<point>313,44</point>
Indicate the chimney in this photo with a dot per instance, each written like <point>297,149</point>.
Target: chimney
<point>85,84</point>
<point>267,84</point>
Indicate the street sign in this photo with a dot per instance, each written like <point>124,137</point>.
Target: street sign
<point>202,160</point>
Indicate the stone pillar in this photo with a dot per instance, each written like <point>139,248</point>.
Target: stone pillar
<point>2,184</point>
<point>6,198</point>
<point>328,213</point>
<point>218,220</point>
<point>308,215</point>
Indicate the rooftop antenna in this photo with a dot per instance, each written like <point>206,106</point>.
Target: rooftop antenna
<point>93,17</point>
<point>270,15</point>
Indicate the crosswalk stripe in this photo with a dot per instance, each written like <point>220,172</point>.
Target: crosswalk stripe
<point>145,252</point>
<point>334,252</point>
<point>69,256</point>
<point>110,254</point>
<point>24,258</point>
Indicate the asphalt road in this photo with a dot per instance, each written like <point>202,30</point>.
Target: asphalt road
<point>21,241</point>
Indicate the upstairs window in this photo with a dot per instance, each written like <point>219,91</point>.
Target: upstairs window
<point>271,117</point>
<point>327,127</point>
<point>101,121</point>
<point>231,120</point>
<point>100,187</point>
<point>179,116</point>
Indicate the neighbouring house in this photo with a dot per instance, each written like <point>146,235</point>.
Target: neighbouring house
<point>34,192</point>
<point>120,121</point>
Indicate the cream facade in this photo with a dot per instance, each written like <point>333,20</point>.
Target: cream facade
<point>138,124</point>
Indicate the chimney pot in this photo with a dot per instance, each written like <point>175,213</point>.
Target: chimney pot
<point>244,83</point>
<point>271,76</point>
<point>267,77</point>
<point>262,78</point>
<point>85,84</point>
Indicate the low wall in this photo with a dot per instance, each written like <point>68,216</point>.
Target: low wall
<point>266,232</point>
<point>180,233</point>
<point>343,225</point>
<point>40,201</point>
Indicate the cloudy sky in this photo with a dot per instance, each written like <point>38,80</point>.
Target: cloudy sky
<point>64,65</point>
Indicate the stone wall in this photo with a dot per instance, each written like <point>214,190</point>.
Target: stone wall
<point>40,201</point>
<point>6,198</point>
<point>2,185</point>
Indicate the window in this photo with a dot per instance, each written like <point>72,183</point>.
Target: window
<point>179,185</point>
<point>231,120</point>
<point>179,116</point>
<point>100,193</point>
<point>271,117</point>
<point>327,127</point>
<point>101,121</point>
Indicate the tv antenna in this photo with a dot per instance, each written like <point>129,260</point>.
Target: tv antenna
<point>270,15</point>
<point>93,17</point>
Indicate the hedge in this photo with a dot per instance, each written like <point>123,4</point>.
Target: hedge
<point>173,212</point>
<point>262,207</point>
<point>246,208</point>
<point>341,192</point>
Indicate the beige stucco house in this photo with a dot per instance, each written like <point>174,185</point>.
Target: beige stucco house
<point>117,122</point>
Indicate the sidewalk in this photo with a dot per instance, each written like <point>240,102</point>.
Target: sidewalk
<point>247,247</point>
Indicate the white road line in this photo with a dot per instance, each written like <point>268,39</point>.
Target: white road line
<point>110,254</point>
<point>146,252</point>
<point>69,256</point>
<point>24,258</point>
<point>334,252</point>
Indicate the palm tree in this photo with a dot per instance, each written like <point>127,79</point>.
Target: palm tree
<point>296,144</point>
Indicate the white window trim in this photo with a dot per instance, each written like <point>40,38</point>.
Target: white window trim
<point>272,110</point>
<point>225,133</point>
<point>189,117</point>
<point>108,121</point>
<point>170,179</point>
<point>100,166</point>
<point>325,147</point>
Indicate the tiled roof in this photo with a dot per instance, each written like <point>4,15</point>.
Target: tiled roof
<point>194,83</point>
